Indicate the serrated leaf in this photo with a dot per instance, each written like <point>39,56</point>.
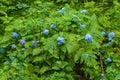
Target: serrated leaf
<point>117,77</point>
<point>39,58</point>
<point>69,77</point>
<point>4,76</point>
<point>27,44</point>
<point>44,69</point>
<point>68,68</point>
<point>36,51</point>
<point>55,55</point>
<point>28,51</point>
<point>78,54</point>
<point>56,68</point>
<point>71,48</point>
<point>62,56</point>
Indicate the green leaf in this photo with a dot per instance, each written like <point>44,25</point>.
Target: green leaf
<point>68,68</point>
<point>39,58</point>
<point>56,68</point>
<point>4,76</point>
<point>69,77</point>
<point>44,69</point>
<point>78,54</point>
<point>117,77</point>
<point>36,51</point>
<point>71,48</point>
<point>28,51</point>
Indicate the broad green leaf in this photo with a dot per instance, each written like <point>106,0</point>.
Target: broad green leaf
<point>78,54</point>
<point>36,51</point>
<point>56,68</point>
<point>44,69</point>
<point>39,58</point>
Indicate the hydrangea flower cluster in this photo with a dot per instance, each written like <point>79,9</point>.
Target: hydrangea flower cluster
<point>111,35</point>
<point>15,35</point>
<point>60,40</point>
<point>103,33</point>
<point>102,51</point>
<point>2,50</point>
<point>13,46</point>
<point>62,11</point>
<point>88,38</point>
<point>34,44</point>
<point>109,60</point>
<point>46,32</point>
<point>84,11</point>
<point>52,26</point>
<point>22,42</point>
<point>23,49</point>
<point>82,26</point>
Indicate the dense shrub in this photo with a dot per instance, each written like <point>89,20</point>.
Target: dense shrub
<point>59,39</point>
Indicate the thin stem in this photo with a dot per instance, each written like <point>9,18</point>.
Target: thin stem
<point>101,64</point>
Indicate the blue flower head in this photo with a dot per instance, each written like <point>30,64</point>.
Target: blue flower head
<point>82,26</point>
<point>102,51</point>
<point>2,50</point>
<point>13,46</point>
<point>62,11</point>
<point>23,49</point>
<point>103,33</point>
<point>108,60</point>
<point>74,21</point>
<point>60,40</point>
<point>22,42</point>
<point>88,38</point>
<point>111,35</point>
<point>46,32</point>
<point>108,44</point>
<point>52,26</point>
<point>76,16</point>
<point>14,35</point>
<point>34,44</point>
<point>84,11</point>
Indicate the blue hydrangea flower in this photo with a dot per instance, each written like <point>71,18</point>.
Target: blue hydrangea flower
<point>60,40</point>
<point>23,49</point>
<point>88,38</point>
<point>62,11</point>
<point>52,26</point>
<point>103,33</point>
<point>82,26</point>
<point>2,50</point>
<point>84,11</point>
<point>46,32</point>
<point>13,46</point>
<point>14,35</point>
<point>102,76</point>
<point>22,42</point>
<point>74,21</point>
<point>111,35</point>
<point>108,44</point>
<point>34,44</point>
<point>74,15</point>
<point>108,60</point>
<point>102,51</point>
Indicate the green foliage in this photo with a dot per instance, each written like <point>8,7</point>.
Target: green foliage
<point>76,59</point>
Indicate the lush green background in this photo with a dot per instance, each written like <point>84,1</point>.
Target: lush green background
<point>76,59</point>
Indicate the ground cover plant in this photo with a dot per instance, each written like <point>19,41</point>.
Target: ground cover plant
<point>59,39</point>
